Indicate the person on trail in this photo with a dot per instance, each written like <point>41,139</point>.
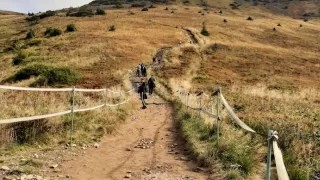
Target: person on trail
<point>138,71</point>
<point>151,84</point>
<point>142,93</point>
<point>144,71</point>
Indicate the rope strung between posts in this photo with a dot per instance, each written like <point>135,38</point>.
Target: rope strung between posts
<point>31,118</point>
<point>272,139</point>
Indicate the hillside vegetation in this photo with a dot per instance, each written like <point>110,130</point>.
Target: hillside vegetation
<point>267,65</point>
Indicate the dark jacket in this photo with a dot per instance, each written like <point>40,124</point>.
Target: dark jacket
<point>151,82</point>
<point>142,88</point>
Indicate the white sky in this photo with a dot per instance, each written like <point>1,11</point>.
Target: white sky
<point>26,6</point>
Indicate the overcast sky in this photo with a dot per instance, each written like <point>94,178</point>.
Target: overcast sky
<point>26,6</point>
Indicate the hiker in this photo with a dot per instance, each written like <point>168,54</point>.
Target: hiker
<point>142,93</point>
<point>144,72</point>
<point>138,72</point>
<point>151,84</point>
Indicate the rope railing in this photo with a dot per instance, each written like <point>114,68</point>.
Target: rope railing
<point>272,138</point>
<point>72,111</point>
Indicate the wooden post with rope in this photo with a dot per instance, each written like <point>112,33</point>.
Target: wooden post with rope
<point>72,114</point>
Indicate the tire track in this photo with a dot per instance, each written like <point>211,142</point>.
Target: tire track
<point>156,137</point>
<point>110,173</point>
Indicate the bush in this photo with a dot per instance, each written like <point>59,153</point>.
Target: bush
<point>172,12</point>
<point>204,30</point>
<point>279,25</point>
<point>112,28</point>
<point>100,12</point>
<point>152,6</point>
<point>17,45</point>
<point>82,13</point>
<point>35,41</point>
<point>167,9</point>
<point>30,14</point>
<point>53,75</point>
<point>51,32</point>
<point>118,5</point>
<point>47,14</point>
<point>144,9</point>
<point>220,12</point>
<point>225,21</point>
<point>71,28</point>
<point>250,18</point>
<point>33,18</point>
<point>31,34</point>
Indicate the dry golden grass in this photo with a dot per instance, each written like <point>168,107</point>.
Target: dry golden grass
<point>273,75</point>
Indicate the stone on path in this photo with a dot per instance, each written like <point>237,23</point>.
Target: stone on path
<point>96,145</point>
<point>53,166</point>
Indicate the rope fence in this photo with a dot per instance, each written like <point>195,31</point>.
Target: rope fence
<point>72,111</point>
<point>272,137</point>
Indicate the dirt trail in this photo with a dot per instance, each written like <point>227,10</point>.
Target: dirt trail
<point>162,159</point>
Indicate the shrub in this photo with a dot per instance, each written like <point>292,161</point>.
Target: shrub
<point>305,20</point>
<point>279,25</point>
<point>17,45</point>
<point>35,41</point>
<point>250,18</point>
<point>199,11</point>
<point>20,58</point>
<point>51,32</point>
<point>100,12</point>
<point>145,9</point>
<point>47,14</point>
<point>172,12</point>
<point>25,56</point>
<point>139,4</point>
<point>274,29</point>
<point>53,75</point>
<point>33,18</point>
<point>225,21</point>
<point>186,2</point>
<point>300,25</point>
<point>220,12</point>
<point>112,28</point>
<point>204,30</point>
<point>31,34</point>
<point>152,6</point>
<point>71,28</point>
<point>82,13</point>
<point>118,5</point>
<point>30,14</point>
<point>167,9</point>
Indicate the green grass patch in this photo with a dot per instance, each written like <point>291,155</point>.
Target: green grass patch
<point>51,75</point>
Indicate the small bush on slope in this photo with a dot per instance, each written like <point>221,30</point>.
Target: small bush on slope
<point>52,75</point>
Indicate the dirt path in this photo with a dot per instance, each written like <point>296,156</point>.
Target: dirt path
<point>118,155</point>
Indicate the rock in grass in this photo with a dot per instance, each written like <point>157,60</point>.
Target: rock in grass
<point>5,168</point>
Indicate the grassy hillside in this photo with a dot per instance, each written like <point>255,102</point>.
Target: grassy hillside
<point>268,67</point>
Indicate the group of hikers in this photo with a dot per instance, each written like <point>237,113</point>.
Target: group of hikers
<point>144,87</point>
<point>141,70</point>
